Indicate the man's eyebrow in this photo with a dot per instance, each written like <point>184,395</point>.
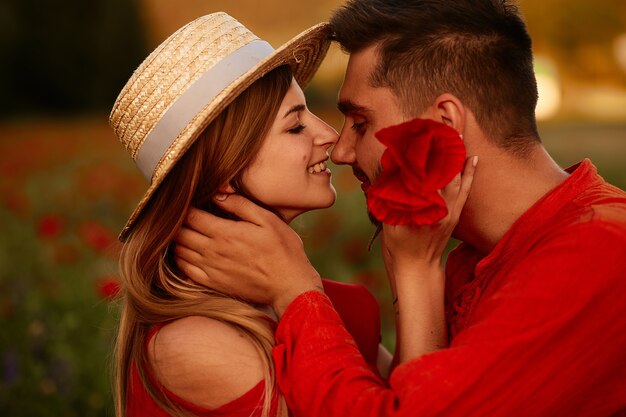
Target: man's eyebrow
<point>347,106</point>
<point>295,109</point>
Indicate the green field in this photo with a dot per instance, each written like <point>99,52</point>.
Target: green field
<point>65,191</point>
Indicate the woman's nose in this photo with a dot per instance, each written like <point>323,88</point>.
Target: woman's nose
<point>326,135</point>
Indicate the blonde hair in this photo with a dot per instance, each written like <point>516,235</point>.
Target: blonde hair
<point>154,291</point>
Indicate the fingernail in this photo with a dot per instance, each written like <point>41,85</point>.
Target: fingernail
<point>475,160</point>
<point>220,197</point>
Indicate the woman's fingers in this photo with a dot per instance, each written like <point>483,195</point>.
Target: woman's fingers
<point>456,192</point>
<point>467,178</point>
<point>450,191</point>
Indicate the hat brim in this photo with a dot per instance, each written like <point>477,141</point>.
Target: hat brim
<point>304,54</point>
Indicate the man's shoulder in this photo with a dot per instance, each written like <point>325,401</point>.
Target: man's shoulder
<point>601,209</point>
<point>597,234</point>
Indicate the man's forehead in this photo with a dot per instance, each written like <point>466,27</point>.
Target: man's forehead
<point>346,106</point>
<point>357,80</point>
<point>365,57</point>
<point>354,90</point>
<point>353,83</point>
<point>364,99</point>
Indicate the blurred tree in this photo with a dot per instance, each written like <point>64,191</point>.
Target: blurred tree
<point>579,34</point>
<point>67,56</point>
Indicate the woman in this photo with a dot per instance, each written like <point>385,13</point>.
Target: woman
<point>214,110</point>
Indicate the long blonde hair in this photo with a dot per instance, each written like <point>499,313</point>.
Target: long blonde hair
<point>154,290</point>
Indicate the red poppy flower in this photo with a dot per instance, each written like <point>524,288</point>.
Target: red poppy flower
<point>421,158</point>
<point>97,236</point>
<point>50,226</point>
<point>108,287</point>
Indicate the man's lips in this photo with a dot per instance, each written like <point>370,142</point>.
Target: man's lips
<point>360,175</point>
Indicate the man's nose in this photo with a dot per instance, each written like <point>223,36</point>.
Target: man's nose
<point>343,152</point>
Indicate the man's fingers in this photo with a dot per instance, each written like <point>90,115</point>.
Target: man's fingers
<point>188,254</point>
<point>210,225</point>
<point>191,239</point>
<point>192,272</point>
<point>204,222</point>
<point>244,209</point>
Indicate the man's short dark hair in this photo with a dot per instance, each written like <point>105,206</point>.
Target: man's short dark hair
<point>478,50</point>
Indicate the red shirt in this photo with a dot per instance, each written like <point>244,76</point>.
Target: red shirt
<point>538,326</point>
<point>360,313</point>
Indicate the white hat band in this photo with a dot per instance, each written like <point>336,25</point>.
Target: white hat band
<point>192,101</point>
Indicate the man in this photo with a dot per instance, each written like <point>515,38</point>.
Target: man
<point>535,294</point>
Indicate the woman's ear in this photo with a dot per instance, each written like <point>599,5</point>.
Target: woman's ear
<point>226,189</point>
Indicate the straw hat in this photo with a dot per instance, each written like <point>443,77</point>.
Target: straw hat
<point>189,79</point>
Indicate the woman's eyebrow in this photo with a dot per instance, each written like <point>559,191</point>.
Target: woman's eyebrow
<point>296,108</point>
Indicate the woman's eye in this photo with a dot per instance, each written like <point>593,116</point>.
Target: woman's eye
<point>297,129</point>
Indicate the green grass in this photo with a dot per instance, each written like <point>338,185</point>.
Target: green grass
<point>66,188</point>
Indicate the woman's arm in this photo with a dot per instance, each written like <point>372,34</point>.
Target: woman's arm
<point>413,260</point>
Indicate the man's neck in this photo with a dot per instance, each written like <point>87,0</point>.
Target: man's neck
<point>504,188</point>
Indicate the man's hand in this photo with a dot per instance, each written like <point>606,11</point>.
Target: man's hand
<point>259,258</point>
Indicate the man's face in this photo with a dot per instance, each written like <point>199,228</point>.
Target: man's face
<point>366,110</point>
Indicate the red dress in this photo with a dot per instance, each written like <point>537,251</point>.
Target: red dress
<point>538,326</point>
<point>358,310</point>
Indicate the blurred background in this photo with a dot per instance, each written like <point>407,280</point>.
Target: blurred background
<point>67,185</point>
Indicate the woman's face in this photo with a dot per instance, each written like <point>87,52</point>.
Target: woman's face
<point>289,173</point>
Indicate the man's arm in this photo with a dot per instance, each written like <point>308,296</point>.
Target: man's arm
<point>548,341</point>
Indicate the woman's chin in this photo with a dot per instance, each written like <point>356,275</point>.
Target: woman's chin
<point>329,201</point>
<point>289,217</point>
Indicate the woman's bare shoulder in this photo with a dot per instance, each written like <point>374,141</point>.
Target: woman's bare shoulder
<point>205,361</point>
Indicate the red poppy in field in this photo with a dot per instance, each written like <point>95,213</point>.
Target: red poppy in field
<point>421,158</point>
<point>108,287</point>
<point>50,226</point>
<point>97,236</point>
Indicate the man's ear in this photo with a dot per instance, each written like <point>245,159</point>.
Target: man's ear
<point>448,109</point>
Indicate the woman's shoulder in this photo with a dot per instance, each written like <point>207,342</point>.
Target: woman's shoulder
<point>204,361</point>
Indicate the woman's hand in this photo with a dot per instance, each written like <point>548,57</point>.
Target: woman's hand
<point>413,260</point>
<point>405,247</point>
